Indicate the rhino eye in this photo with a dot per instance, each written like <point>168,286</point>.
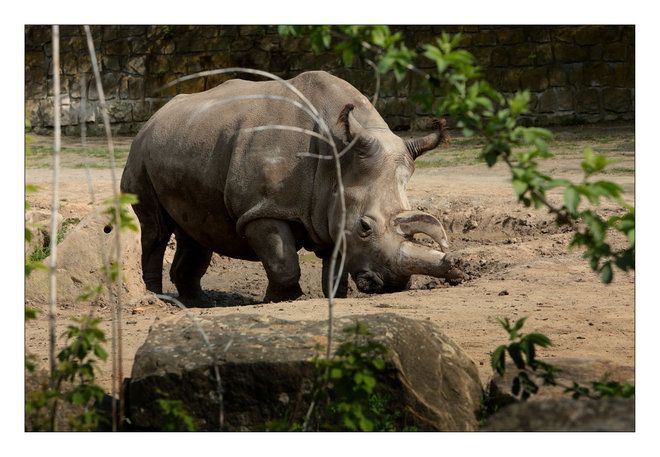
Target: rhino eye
<point>365,227</point>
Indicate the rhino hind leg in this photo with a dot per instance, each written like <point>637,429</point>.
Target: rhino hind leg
<point>156,228</point>
<point>191,261</point>
<point>273,242</point>
<point>342,289</point>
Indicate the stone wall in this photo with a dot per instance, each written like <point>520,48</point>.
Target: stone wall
<point>577,74</point>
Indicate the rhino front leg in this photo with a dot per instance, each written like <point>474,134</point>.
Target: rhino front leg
<point>342,290</point>
<point>274,244</point>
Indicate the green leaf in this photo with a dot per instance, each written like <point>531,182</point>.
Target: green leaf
<point>519,186</point>
<point>516,355</point>
<point>538,339</point>
<point>515,386</point>
<point>336,373</point>
<point>606,273</point>
<point>497,360</point>
<point>571,199</point>
<point>519,324</point>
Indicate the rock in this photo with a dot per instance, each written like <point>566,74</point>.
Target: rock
<point>79,263</point>
<point>582,371</point>
<point>565,415</point>
<point>264,359</point>
<point>38,221</point>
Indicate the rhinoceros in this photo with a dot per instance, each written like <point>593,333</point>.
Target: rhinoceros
<point>264,195</point>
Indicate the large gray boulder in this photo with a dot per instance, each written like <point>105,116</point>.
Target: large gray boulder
<point>565,415</point>
<point>266,370</point>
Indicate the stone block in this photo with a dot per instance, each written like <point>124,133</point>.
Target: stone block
<point>511,35</point>
<point>556,99</point>
<point>597,74</point>
<point>116,48</point>
<point>241,44</point>
<point>136,65</point>
<point>623,75</point>
<point>617,100</point>
<point>110,63</point>
<point>484,39</point>
<point>120,111</point>
<point>599,34</point>
<point>142,110</point>
<point>615,52</point>
<point>132,88</point>
<point>588,101</point>
<point>252,30</point>
<point>482,55</point>
<point>522,55</point>
<point>596,52</point>
<point>543,54</point>
<point>563,34</point>
<point>569,53</point>
<point>557,76</point>
<point>534,78</point>
<point>537,34</point>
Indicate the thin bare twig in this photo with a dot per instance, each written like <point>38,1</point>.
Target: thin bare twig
<point>374,99</point>
<point>348,147</point>
<point>52,271</point>
<point>82,120</point>
<point>290,128</point>
<point>207,342</point>
<point>117,384</point>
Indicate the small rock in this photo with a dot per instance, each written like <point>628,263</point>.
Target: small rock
<point>504,292</point>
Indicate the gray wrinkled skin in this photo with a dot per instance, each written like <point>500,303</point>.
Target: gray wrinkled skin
<point>251,196</point>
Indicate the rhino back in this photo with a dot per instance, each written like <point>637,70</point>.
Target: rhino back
<point>213,179</point>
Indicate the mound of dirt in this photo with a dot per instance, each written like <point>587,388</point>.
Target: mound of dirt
<point>80,262</point>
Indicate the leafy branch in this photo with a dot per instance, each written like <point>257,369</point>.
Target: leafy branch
<point>522,350</point>
<point>457,89</point>
<point>75,367</point>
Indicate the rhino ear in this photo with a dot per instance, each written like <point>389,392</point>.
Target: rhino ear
<point>418,146</point>
<point>352,128</point>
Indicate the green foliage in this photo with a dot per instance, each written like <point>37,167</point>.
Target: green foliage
<point>522,349</point>
<point>175,416</point>
<point>477,108</point>
<point>346,390</point>
<point>30,263</point>
<point>346,382</point>
<point>125,220</point>
<point>603,388</point>
<point>522,352</point>
<point>38,255</point>
<point>74,379</point>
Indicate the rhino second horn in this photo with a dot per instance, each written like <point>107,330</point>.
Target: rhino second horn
<point>418,146</point>
<point>409,223</point>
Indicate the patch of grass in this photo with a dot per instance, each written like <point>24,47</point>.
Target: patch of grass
<point>449,159</point>
<point>309,257</point>
<point>42,252</point>
<point>619,171</point>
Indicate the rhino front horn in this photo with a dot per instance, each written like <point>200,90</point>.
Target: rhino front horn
<point>418,146</point>
<point>416,259</point>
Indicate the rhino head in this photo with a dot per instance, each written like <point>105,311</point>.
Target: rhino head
<point>381,253</point>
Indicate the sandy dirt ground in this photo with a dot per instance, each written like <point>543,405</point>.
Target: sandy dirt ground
<point>518,259</point>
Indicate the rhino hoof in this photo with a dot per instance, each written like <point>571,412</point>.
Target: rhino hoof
<point>200,300</point>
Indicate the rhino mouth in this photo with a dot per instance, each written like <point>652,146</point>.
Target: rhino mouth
<point>368,282</point>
